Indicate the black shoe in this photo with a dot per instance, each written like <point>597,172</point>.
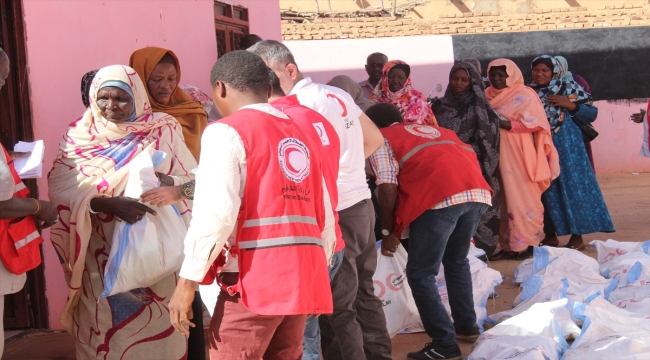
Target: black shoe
<point>467,333</point>
<point>433,351</point>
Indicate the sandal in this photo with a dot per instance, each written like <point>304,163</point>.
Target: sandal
<point>502,255</point>
<point>526,254</point>
<point>579,248</point>
<point>579,239</point>
<point>546,241</point>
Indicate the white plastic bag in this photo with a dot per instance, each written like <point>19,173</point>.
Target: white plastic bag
<point>392,288</point>
<point>544,255</point>
<point>523,271</point>
<point>609,250</point>
<point>497,347</point>
<point>610,333</point>
<point>149,250</point>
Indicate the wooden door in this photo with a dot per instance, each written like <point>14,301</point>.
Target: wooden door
<point>27,308</point>
<point>230,24</point>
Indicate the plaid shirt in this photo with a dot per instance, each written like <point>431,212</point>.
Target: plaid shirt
<point>386,167</point>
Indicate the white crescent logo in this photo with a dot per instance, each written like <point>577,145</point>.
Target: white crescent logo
<point>293,157</point>
<point>423,130</point>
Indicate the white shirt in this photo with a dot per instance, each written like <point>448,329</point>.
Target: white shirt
<point>220,184</point>
<point>9,282</point>
<point>339,109</point>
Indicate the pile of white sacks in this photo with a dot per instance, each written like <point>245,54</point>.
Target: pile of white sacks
<point>603,305</point>
<point>393,290</point>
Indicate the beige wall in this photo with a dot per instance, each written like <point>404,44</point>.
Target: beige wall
<point>436,7</point>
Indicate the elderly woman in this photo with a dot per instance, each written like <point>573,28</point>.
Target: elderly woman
<point>396,88</point>
<point>86,183</point>
<point>160,70</point>
<point>351,87</point>
<point>574,203</point>
<point>528,161</point>
<point>465,110</point>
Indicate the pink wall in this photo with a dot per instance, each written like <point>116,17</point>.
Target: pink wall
<point>431,57</point>
<point>66,38</point>
<point>617,147</point>
<point>263,16</point>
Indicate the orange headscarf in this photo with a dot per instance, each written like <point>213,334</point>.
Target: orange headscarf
<point>518,102</point>
<point>190,114</point>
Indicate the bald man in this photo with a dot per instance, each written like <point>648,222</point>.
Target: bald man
<point>374,65</point>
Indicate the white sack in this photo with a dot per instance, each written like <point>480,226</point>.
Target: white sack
<point>392,288</point>
<point>523,271</point>
<point>151,249</point>
<point>491,347</point>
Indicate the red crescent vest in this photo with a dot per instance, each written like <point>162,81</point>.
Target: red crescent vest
<point>19,238</point>
<point>433,166</point>
<point>322,132</point>
<point>282,264</point>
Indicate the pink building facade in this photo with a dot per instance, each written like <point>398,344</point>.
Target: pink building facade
<point>67,38</point>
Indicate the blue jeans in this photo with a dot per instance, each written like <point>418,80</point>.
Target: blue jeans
<point>311,340</point>
<point>437,236</point>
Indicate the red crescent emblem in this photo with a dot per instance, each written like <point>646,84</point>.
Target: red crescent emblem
<point>389,283</point>
<point>287,153</point>
<point>345,110</point>
<point>382,288</point>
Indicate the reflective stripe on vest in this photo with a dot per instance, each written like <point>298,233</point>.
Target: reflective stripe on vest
<point>29,238</point>
<point>281,241</point>
<point>280,220</point>
<point>19,186</point>
<point>427,144</point>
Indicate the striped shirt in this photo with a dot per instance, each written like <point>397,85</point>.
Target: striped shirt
<point>386,167</point>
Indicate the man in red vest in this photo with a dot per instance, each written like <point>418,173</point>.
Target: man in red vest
<point>357,328</point>
<point>19,238</point>
<point>430,181</point>
<point>259,197</point>
<point>323,133</point>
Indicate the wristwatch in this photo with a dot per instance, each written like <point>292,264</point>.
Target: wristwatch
<point>385,232</point>
<point>188,190</point>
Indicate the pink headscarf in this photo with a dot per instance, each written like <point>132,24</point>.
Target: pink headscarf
<point>410,102</point>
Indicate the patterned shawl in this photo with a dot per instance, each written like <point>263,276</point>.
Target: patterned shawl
<point>557,86</point>
<point>517,102</point>
<point>189,113</point>
<point>410,102</point>
<point>93,160</point>
<point>472,118</point>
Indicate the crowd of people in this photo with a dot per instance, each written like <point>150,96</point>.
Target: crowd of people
<point>285,186</point>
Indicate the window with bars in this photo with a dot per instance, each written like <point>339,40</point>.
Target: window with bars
<point>230,25</point>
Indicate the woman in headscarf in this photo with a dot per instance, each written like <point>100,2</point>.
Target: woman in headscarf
<point>396,88</point>
<point>160,71</point>
<point>351,87</point>
<point>574,203</point>
<point>465,110</point>
<point>566,75</point>
<point>528,160</point>
<point>86,183</point>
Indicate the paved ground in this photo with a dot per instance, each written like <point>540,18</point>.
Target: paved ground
<point>628,199</point>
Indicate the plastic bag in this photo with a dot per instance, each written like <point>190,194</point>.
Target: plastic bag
<point>496,347</point>
<point>610,333</point>
<point>523,271</point>
<point>544,255</point>
<point>149,250</point>
<point>539,320</point>
<point>610,250</point>
<point>392,288</point>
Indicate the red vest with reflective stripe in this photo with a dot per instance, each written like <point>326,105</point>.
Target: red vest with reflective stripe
<point>282,264</point>
<point>322,132</point>
<point>433,165</point>
<point>19,238</point>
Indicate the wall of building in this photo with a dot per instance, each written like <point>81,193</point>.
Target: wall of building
<point>431,57</point>
<point>67,38</point>
<point>637,14</point>
<point>434,8</point>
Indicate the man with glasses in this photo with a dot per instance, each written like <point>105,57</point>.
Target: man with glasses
<point>374,65</point>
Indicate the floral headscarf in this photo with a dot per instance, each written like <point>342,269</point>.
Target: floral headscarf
<point>410,102</point>
<point>558,86</point>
